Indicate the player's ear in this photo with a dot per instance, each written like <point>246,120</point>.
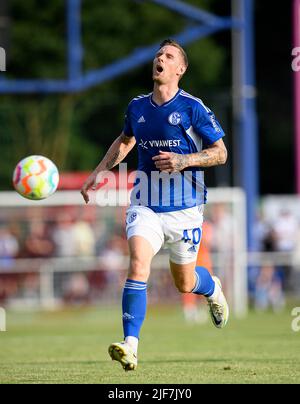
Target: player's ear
<point>181,69</point>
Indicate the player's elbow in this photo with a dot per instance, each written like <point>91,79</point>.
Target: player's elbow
<point>127,141</point>
<point>222,155</point>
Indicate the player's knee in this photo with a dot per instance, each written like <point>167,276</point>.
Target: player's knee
<point>138,270</point>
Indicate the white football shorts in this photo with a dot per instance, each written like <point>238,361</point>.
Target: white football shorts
<point>179,231</point>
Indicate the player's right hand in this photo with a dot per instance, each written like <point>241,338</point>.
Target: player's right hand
<point>90,183</point>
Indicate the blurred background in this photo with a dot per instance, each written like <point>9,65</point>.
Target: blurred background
<point>71,69</point>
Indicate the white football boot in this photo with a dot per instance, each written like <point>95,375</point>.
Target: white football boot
<point>123,353</point>
<point>218,307</point>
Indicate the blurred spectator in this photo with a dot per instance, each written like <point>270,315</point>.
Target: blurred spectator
<point>73,238</point>
<point>84,239</point>
<point>285,229</point>
<point>223,228</point>
<point>268,290</point>
<point>101,230</point>
<point>64,237</point>
<point>112,256</point>
<point>222,241</point>
<point>8,287</point>
<point>76,289</point>
<point>30,287</point>
<point>38,243</point>
<point>111,261</point>
<point>296,255</point>
<point>264,241</point>
<point>9,248</point>
<point>285,233</point>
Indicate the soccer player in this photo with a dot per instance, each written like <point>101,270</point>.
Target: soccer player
<point>177,136</point>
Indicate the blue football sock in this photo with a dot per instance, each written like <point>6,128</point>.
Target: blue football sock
<point>205,284</point>
<point>134,306</point>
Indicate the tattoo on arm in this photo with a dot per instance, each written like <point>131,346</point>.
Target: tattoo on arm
<point>180,162</point>
<point>118,151</point>
<point>213,156</point>
<point>113,160</point>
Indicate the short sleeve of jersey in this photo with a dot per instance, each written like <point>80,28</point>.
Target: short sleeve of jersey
<point>206,125</point>
<point>127,129</point>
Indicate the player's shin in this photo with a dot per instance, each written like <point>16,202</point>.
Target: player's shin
<point>134,305</point>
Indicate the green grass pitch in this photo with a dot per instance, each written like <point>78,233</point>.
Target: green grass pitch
<point>71,347</point>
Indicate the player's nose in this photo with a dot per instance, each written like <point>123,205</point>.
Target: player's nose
<point>160,58</point>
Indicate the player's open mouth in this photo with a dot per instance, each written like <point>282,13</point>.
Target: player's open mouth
<point>159,69</point>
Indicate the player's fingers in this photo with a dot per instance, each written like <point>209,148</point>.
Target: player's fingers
<point>161,157</point>
<point>85,196</point>
<point>162,162</point>
<point>163,167</point>
<point>84,192</point>
<point>90,185</point>
<point>164,154</point>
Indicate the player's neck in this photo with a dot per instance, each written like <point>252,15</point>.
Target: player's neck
<point>163,93</point>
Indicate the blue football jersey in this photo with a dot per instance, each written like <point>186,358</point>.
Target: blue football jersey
<point>182,125</point>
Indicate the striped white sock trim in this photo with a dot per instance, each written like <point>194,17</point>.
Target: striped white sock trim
<point>135,283</point>
<point>135,286</point>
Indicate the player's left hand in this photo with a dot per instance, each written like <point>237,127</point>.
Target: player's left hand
<point>170,162</point>
<point>90,184</point>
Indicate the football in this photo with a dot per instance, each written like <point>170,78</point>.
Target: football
<point>36,178</point>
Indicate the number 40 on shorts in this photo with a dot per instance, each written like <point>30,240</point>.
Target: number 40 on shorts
<point>193,235</point>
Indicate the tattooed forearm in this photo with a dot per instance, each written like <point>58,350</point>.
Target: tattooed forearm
<point>116,153</point>
<point>114,160</point>
<point>209,158</point>
<point>213,156</point>
<point>170,162</point>
<point>181,161</point>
